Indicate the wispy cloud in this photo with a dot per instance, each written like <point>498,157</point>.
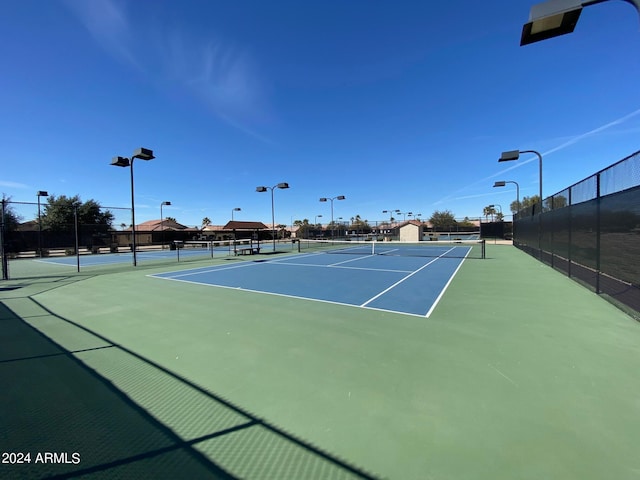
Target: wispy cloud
<point>108,24</point>
<point>533,158</point>
<point>590,133</point>
<point>224,76</point>
<point>13,185</point>
<point>466,197</point>
<point>221,75</point>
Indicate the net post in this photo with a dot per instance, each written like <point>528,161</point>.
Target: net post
<point>483,253</point>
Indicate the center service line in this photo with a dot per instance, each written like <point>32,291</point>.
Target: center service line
<point>403,279</point>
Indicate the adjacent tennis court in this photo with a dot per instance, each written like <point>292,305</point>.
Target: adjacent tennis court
<point>187,251</point>
<point>402,277</point>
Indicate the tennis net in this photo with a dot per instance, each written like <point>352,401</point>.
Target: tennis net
<point>211,248</point>
<point>435,248</point>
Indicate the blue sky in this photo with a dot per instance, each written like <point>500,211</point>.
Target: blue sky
<point>396,105</point>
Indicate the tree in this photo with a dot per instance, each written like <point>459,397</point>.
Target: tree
<point>467,223</point>
<point>442,219</point>
<point>489,210</point>
<point>303,227</point>
<point>11,218</point>
<point>526,202</point>
<point>170,219</point>
<point>123,226</point>
<point>557,201</point>
<point>359,225</point>
<point>206,221</point>
<point>59,214</point>
<point>282,230</point>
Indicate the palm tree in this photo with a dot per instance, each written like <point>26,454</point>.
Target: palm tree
<point>489,211</point>
<point>206,221</point>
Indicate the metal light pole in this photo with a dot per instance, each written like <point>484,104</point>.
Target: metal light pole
<point>237,209</point>
<point>503,183</point>
<point>324,199</point>
<point>515,155</point>
<point>40,193</point>
<point>390,212</point>
<point>496,205</point>
<point>142,154</point>
<point>282,185</point>
<point>162,224</point>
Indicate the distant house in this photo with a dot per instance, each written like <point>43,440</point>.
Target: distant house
<point>156,232</point>
<point>234,229</point>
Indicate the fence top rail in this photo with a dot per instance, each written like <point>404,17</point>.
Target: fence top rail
<point>635,156</point>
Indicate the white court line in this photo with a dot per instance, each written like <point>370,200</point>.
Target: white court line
<point>53,262</point>
<point>352,260</point>
<point>446,286</point>
<point>199,271</point>
<point>403,279</point>
<point>345,268</point>
<point>215,268</point>
<point>353,305</point>
<point>364,305</point>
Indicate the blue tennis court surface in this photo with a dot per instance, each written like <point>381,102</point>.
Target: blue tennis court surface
<point>409,285</point>
<point>141,256</point>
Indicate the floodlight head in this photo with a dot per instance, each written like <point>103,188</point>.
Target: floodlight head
<point>341,197</point>
<point>283,185</point>
<point>237,209</point>
<point>500,184</point>
<point>42,193</point>
<point>323,199</point>
<point>551,19</point>
<point>510,155</point>
<point>143,154</point>
<point>261,189</point>
<point>490,206</point>
<point>165,203</point>
<point>120,162</point>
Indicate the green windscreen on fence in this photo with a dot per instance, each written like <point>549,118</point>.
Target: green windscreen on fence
<point>591,231</point>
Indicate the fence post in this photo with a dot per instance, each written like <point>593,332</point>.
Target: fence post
<point>569,234</point>
<point>5,265</point>
<point>598,221</point>
<point>75,227</point>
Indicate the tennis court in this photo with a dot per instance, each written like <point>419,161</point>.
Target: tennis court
<point>187,251</point>
<point>518,372</point>
<point>396,277</point>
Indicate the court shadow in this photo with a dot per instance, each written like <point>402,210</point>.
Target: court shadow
<point>120,414</point>
<point>74,422</point>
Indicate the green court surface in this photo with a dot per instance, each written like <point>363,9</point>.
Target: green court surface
<point>519,373</point>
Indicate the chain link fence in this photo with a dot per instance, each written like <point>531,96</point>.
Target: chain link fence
<point>591,232</point>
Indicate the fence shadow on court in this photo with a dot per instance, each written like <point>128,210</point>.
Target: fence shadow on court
<point>103,409</point>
